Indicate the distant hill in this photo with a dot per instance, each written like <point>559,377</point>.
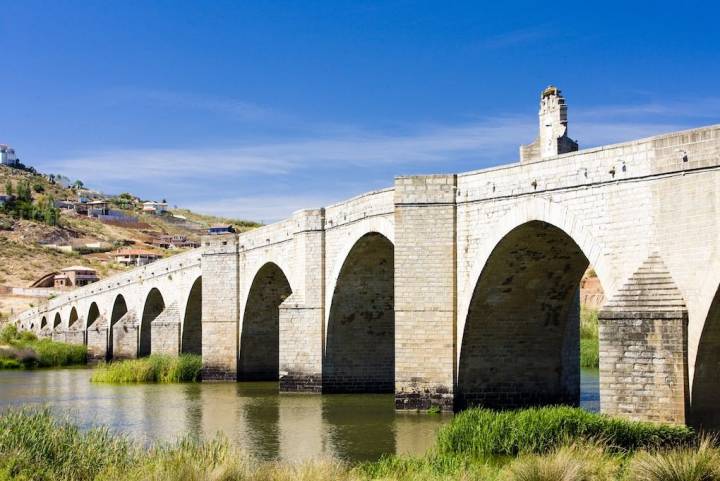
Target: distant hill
<point>30,249</point>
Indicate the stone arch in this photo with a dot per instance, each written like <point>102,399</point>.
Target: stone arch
<point>520,340</point>
<point>537,209</point>
<point>57,321</point>
<point>119,309</point>
<point>380,225</point>
<point>191,341</point>
<point>260,334</point>
<point>92,316</point>
<point>43,322</point>
<point>153,307</point>
<point>73,317</point>
<point>705,392</point>
<point>360,343</point>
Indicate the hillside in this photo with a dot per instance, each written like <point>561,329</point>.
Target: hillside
<point>30,249</point>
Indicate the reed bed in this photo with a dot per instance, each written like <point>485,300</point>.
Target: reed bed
<point>36,445</point>
<point>589,338</point>
<point>152,369</point>
<point>24,350</point>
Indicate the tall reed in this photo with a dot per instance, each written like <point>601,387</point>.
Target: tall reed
<point>155,368</point>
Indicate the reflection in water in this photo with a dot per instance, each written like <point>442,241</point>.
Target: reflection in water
<point>252,415</point>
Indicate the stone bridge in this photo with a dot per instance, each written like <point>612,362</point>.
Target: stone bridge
<point>454,290</point>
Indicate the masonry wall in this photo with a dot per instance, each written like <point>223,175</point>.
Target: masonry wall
<point>425,290</point>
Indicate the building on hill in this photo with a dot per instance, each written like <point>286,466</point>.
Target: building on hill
<point>8,156</point>
<point>97,208</point>
<point>157,208</point>
<point>218,229</point>
<point>175,242</point>
<point>135,257</point>
<point>75,276</point>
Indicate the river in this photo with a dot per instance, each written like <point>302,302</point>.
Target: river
<point>254,416</point>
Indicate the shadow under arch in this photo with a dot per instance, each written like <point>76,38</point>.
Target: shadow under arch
<point>360,344</point>
<point>704,409</point>
<point>43,322</point>
<point>191,341</point>
<point>259,358</point>
<point>520,343</point>
<point>119,309</point>
<point>73,317</point>
<point>92,316</point>
<point>57,321</point>
<point>154,306</point>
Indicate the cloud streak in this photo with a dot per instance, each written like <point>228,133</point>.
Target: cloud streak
<point>209,178</point>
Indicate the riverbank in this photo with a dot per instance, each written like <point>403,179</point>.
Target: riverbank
<point>546,444</point>
<point>155,368</point>
<point>23,350</point>
<point>589,338</point>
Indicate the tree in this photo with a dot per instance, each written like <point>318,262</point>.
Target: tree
<point>38,187</point>
<point>78,184</point>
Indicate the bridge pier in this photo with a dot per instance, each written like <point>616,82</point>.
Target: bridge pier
<point>425,291</point>
<point>220,307</point>
<point>643,348</point>
<point>166,331</point>
<point>302,316</point>
<point>97,341</point>
<point>126,337</point>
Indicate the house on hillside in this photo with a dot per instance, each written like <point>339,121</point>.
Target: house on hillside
<point>8,156</point>
<point>97,208</point>
<point>75,276</point>
<point>175,242</point>
<point>157,208</point>
<point>218,229</point>
<point>135,257</point>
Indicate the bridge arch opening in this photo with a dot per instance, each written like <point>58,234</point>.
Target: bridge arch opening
<point>43,323</point>
<point>705,394</point>
<point>73,317</point>
<point>520,344</point>
<point>57,321</point>
<point>260,338</point>
<point>119,309</point>
<point>154,306</point>
<point>360,343</point>
<point>192,323</point>
<point>93,315</point>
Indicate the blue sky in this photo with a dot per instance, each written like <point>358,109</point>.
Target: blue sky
<point>257,109</point>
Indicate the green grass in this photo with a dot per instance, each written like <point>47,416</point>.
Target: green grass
<point>155,368</point>
<point>36,445</point>
<point>589,341</point>
<point>482,432</point>
<point>26,351</point>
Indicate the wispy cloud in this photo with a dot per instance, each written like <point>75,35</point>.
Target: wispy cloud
<point>214,175</point>
<point>165,99</point>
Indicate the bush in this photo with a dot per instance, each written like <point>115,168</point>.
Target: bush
<point>155,368</point>
<point>482,432</point>
<point>8,334</point>
<point>589,339</point>
<point>589,353</point>
<point>56,354</point>
<point>701,464</point>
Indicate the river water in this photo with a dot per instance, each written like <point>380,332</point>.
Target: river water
<point>253,415</point>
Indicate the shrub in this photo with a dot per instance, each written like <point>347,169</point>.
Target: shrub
<point>482,432</point>
<point>155,368</point>
<point>8,334</point>
<point>56,354</point>
<point>568,463</point>
<point>701,464</point>
<point>589,353</point>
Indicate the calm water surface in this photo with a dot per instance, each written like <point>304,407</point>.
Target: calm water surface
<point>253,415</point>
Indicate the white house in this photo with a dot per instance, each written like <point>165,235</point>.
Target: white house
<point>157,208</point>
<point>8,156</point>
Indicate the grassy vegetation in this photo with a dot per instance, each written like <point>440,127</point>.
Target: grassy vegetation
<point>155,368</point>
<point>589,341</point>
<point>24,350</point>
<point>481,432</point>
<point>35,445</point>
